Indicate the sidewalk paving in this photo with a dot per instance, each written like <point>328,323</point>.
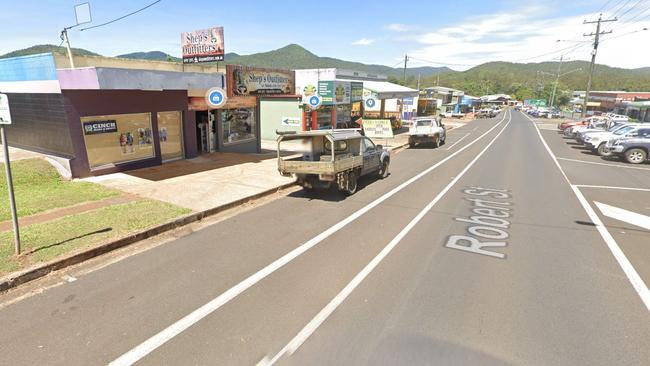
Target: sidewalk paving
<point>202,183</point>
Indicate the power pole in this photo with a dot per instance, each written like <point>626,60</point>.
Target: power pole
<point>593,55</point>
<point>419,75</point>
<point>557,80</point>
<point>406,59</point>
<point>64,37</point>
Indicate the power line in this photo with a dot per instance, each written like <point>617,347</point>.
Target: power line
<point>122,17</point>
<point>621,8</point>
<point>438,63</point>
<point>630,9</point>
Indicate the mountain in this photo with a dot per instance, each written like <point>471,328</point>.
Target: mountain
<point>151,55</point>
<point>524,80</point>
<point>294,56</point>
<point>43,48</point>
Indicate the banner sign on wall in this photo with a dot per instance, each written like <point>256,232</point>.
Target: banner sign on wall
<point>95,127</point>
<point>252,82</point>
<point>356,91</point>
<point>205,45</point>
<point>334,92</point>
<point>291,121</point>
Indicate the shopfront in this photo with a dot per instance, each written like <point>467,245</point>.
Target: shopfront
<point>341,106</point>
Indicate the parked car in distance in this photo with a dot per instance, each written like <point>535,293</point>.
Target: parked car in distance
<point>597,141</point>
<point>427,130</point>
<point>332,157</point>
<point>634,150</point>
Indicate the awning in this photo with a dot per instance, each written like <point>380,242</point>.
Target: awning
<point>386,90</point>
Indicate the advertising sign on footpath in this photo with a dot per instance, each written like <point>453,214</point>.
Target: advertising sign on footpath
<point>205,45</point>
<point>377,128</point>
<point>5,115</point>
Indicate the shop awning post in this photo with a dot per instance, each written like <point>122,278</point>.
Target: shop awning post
<point>10,188</point>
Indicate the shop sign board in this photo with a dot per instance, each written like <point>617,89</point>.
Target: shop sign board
<point>215,97</point>
<point>334,92</point>
<point>204,45</point>
<point>377,128</point>
<point>101,126</point>
<point>5,113</point>
<point>291,121</point>
<point>254,82</point>
<point>356,91</point>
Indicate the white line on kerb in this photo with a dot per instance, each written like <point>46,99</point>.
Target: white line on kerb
<point>614,248</point>
<point>311,327</point>
<point>175,329</point>
<point>605,164</point>
<point>613,187</point>
<point>459,140</point>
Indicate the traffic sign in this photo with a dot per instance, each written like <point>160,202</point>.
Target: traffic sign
<point>315,101</point>
<point>371,103</point>
<point>216,97</point>
<point>5,114</point>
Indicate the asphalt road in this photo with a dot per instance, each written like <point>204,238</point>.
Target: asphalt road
<point>491,251</point>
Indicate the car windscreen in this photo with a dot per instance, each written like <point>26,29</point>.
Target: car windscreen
<point>424,122</point>
<point>623,130</point>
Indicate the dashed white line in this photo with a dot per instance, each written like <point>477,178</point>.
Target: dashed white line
<point>311,327</point>
<point>157,340</point>
<point>597,163</point>
<point>631,273</point>
<point>459,140</point>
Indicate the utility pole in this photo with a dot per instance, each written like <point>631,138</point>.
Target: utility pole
<point>64,37</point>
<point>406,59</point>
<point>557,79</point>
<point>419,75</point>
<point>593,55</point>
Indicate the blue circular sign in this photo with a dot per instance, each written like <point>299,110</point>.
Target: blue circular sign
<point>370,102</point>
<point>215,97</point>
<point>314,101</point>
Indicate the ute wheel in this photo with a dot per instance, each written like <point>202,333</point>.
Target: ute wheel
<point>351,185</point>
<point>635,156</point>
<point>436,141</point>
<point>383,171</point>
<point>601,150</point>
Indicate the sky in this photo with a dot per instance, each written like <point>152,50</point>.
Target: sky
<point>433,33</point>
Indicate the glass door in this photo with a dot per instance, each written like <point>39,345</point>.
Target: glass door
<point>170,131</point>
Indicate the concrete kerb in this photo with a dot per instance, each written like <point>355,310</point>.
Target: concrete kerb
<point>15,279</point>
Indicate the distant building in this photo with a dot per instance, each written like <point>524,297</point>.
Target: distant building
<point>439,99</point>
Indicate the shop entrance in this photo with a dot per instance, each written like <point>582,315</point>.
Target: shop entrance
<point>206,131</point>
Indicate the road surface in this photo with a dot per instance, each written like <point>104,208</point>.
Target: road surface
<point>496,250</point>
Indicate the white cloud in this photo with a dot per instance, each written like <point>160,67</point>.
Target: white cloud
<point>363,42</point>
<point>397,27</point>
<point>522,34</point>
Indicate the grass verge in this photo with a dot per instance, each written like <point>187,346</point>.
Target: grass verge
<point>46,241</point>
<point>39,187</point>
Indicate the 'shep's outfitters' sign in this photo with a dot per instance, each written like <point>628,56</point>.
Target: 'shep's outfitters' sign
<point>96,127</point>
<point>205,45</point>
<point>252,82</point>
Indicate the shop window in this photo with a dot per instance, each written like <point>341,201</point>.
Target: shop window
<point>343,115</point>
<point>170,131</point>
<point>117,138</point>
<point>324,117</point>
<point>238,124</point>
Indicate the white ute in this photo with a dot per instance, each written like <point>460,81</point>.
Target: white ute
<point>427,130</point>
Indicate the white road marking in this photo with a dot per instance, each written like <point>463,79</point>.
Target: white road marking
<point>459,140</point>
<point>311,327</point>
<point>613,187</point>
<point>620,214</point>
<point>632,275</point>
<point>596,163</point>
<point>143,349</point>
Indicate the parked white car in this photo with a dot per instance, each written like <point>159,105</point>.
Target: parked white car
<point>427,130</point>
<point>597,141</point>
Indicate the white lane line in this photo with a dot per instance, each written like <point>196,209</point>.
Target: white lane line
<point>143,349</point>
<point>620,214</point>
<point>612,187</point>
<point>459,140</point>
<point>605,164</point>
<point>632,275</point>
<point>311,327</point>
